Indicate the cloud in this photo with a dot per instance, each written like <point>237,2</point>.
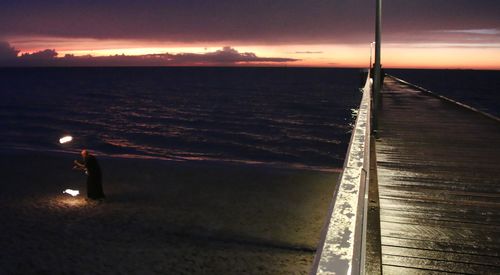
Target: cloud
<point>309,52</point>
<point>7,52</point>
<point>445,45</point>
<point>227,56</point>
<point>473,31</point>
<point>40,55</point>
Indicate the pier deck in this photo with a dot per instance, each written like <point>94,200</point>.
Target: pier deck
<point>439,185</point>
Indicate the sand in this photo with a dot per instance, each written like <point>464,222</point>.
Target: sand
<point>160,217</point>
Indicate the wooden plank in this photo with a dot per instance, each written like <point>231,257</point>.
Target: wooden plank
<point>439,265</point>
<point>444,197</point>
<point>441,255</point>
<point>449,225</point>
<point>424,231</point>
<point>439,185</point>
<point>470,213</point>
<point>425,181</point>
<point>464,248</point>
<point>398,270</point>
<point>438,189</point>
<point>472,217</point>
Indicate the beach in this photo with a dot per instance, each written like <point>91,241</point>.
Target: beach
<point>160,217</point>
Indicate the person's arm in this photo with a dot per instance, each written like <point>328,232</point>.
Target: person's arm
<point>79,165</point>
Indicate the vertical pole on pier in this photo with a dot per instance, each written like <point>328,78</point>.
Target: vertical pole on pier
<point>377,74</point>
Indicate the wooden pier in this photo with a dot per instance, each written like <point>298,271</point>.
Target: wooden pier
<point>438,168</point>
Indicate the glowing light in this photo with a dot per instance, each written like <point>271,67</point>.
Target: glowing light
<point>71,192</point>
<point>65,139</point>
<point>467,54</point>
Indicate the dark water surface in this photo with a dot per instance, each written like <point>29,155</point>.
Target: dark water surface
<point>285,116</point>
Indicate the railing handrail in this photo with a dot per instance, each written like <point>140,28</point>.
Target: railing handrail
<point>456,102</point>
<point>341,249</point>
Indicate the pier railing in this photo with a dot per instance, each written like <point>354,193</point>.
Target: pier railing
<point>470,108</point>
<point>342,246</point>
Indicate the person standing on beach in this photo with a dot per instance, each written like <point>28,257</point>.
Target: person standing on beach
<point>94,176</point>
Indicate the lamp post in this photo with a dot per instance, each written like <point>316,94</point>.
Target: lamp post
<point>378,67</point>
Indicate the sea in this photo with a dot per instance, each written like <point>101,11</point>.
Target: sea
<point>287,117</point>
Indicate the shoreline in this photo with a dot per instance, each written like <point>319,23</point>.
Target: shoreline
<point>216,162</point>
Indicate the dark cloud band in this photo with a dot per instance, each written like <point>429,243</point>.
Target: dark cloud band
<point>227,56</point>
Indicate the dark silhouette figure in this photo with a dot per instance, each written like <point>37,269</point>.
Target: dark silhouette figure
<point>94,175</point>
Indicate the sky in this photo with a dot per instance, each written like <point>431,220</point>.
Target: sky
<point>453,34</point>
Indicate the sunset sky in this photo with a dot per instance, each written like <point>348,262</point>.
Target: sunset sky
<point>335,33</point>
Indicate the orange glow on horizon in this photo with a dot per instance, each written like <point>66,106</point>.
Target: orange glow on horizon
<point>442,56</point>
<point>138,51</point>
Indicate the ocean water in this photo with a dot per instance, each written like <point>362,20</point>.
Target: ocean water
<point>294,117</point>
<point>476,88</point>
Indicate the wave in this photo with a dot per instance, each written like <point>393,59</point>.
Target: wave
<point>295,118</point>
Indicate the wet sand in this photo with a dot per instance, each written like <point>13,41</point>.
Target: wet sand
<point>160,217</point>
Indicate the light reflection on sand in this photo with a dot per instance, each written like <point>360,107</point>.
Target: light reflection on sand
<point>70,201</point>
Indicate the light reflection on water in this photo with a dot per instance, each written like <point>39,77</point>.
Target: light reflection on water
<point>296,117</point>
